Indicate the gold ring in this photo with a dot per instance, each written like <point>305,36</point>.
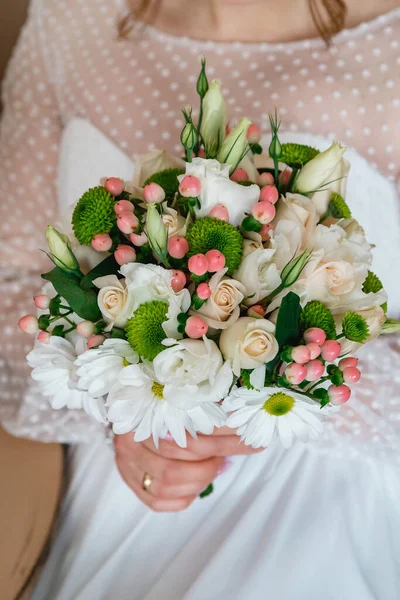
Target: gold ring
<point>147,481</point>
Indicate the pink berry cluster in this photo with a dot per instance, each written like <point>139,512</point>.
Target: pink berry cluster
<point>308,361</point>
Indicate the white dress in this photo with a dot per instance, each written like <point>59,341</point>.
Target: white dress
<point>318,521</point>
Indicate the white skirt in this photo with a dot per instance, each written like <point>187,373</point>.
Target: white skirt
<point>282,525</point>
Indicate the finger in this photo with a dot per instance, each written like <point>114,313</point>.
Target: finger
<point>208,445</point>
<point>163,490</point>
<point>223,431</point>
<point>170,449</point>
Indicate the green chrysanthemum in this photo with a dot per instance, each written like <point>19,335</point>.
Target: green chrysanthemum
<point>338,207</point>
<point>209,233</point>
<point>168,180</point>
<point>373,284</point>
<point>355,327</point>
<point>144,331</point>
<point>297,155</point>
<point>315,314</point>
<point>93,214</point>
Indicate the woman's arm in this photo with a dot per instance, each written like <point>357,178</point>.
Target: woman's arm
<point>30,132</point>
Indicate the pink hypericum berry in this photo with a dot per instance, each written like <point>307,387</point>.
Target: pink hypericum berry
<point>28,324</point>
<point>269,193</point>
<point>124,254</point>
<point>339,394</point>
<point>351,374</point>
<point>314,349</point>
<point>178,246</point>
<point>114,186</point>
<point>94,341</point>
<point>190,186</point>
<point>101,242</point>
<point>315,370</point>
<point>266,232</point>
<point>295,373</point>
<point>240,174</point>
<point>153,193</point>
<point>284,176</point>
<point>216,260</point>
<point>127,222</point>
<point>85,329</point>
<point>138,239</point>
<point>315,335</point>
<point>44,337</point>
<point>257,309</point>
<point>264,212</point>
<point>330,350</point>
<point>266,179</point>
<point>178,280</point>
<point>198,264</point>
<point>196,327</point>
<point>301,354</point>
<point>123,206</point>
<point>42,301</point>
<point>220,212</point>
<point>253,134</point>
<point>203,291</point>
<point>349,361</point>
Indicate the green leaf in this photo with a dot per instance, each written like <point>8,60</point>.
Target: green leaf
<point>118,333</point>
<point>54,306</point>
<point>287,330</point>
<point>209,490</point>
<point>44,322</point>
<point>82,302</point>
<point>108,266</point>
<point>58,331</point>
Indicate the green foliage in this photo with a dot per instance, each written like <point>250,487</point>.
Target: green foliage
<point>144,330</point>
<point>315,314</point>
<point>338,207</point>
<point>209,233</point>
<point>373,284</point>
<point>82,302</point>
<point>245,378</point>
<point>108,266</point>
<point>168,180</point>
<point>93,214</point>
<point>297,155</point>
<point>355,327</point>
<point>288,331</point>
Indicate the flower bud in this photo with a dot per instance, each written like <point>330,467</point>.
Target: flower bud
<point>202,81</point>
<point>124,254</point>
<point>214,119</point>
<point>85,329</point>
<point>153,193</point>
<point>42,301</point>
<point>235,144</point>
<point>318,171</point>
<point>114,186</point>
<point>60,250</point>
<point>28,324</point>
<point>156,232</point>
<point>292,271</point>
<point>188,136</point>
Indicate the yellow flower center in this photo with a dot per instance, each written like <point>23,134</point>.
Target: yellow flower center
<point>157,390</point>
<point>279,404</point>
<point>125,362</point>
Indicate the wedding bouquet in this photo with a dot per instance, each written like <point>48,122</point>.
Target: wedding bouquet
<point>227,289</point>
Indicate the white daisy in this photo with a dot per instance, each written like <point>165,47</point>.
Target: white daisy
<point>54,370</point>
<point>261,415</point>
<point>143,404</point>
<point>98,368</point>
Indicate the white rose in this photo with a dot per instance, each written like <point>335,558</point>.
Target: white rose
<point>328,282</point>
<point>192,371</point>
<point>259,275</point>
<point>251,241</point>
<point>217,188</point>
<point>249,343</point>
<point>114,300</point>
<point>151,282</point>
<point>222,309</point>
<point>153,162</point>
<point>174,222</point>
<point>339,243</point>
<point>375,318</point>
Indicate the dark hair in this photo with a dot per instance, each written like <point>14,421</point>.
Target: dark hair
<point>328,15</point>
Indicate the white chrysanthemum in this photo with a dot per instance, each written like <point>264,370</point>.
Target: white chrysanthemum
<point>99,368</point>
<point>260,416</point>
<point>54,370</point>
<point>140,402</point>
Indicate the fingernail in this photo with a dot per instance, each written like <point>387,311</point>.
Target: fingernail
<point>169,437</point>
<point>227,464</point>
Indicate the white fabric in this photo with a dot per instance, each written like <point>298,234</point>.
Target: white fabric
<point>318,521</point>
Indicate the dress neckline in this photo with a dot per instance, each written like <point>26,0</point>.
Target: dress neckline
<point>150,31</point>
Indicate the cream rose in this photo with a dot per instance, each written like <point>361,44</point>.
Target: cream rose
<point>249,343</point>
<point>259,275</point>
<point>114,300</point>
<point>174,222</point>
<point>328,282</point>
<point>222,309</point>
<point>375,318</point>
<point>251,241</point>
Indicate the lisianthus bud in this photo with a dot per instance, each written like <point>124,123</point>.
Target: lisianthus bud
<point>214,119</point>
<point>293,269</point>
<point>234,147</point>
<point>188,136</point>
<point>60,250</point>
<point>318,171</point>
<point>202,81</point>
<point>156,232</point>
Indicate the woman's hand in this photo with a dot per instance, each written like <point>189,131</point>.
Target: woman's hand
<point>179,475</point>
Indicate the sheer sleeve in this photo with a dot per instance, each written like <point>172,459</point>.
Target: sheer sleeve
<point>30,131</point>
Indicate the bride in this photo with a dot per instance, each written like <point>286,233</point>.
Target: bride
<point>318,521</point>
